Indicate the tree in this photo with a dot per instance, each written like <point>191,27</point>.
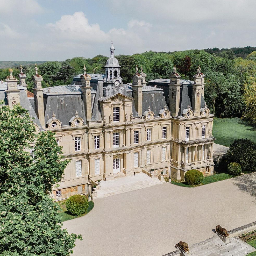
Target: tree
<point>29,220</point>
<point>243,152</point>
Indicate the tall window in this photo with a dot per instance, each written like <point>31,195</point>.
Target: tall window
<point>164,132</point>
<point>116,114</point>
<point>136,160</point>
<point>136,137</point>
<point>187,152</point>
<point>116,139</point>
<point>203,152</point>
<point>203,131</point>
<point>116,165</point>
<point>187,133</point>
<point>97,142</point>
<point>148,156</point>
<point>78,168</point>
<point>163,153</point>
<point>77,143</point>
<point>149,132</point>
<point>97,166</point>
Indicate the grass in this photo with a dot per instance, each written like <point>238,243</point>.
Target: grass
<point>206,180</point>
<point>226,130</point>
<point>250,238</point>
<point>64,214</point>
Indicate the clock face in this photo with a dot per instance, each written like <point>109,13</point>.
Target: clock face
<point>117,83</point>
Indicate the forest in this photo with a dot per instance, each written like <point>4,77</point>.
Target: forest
<point>230,74</point>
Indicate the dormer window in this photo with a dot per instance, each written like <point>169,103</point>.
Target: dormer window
<point>116,114</point>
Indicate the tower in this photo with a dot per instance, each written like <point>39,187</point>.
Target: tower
<point>87,98</point>
<point>112,69</point>
<point>39,97</point>
<point>198,88</point>
<point>174,93</point>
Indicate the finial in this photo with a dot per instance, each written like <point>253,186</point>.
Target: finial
<point>174,70</point>
<point>84,69</point>
<point>10,70</point>
<point>76,114</point>
<point>53,115</point>
<point>21,69</point>
<point>199,70</point>
<point>36,69</point>
<point>112,49</point>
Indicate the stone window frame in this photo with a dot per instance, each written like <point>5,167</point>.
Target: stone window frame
<point>138,158</point>
<point>148,156</point>
<point>164,154</point>
<point>203,131</point>
<point>187,133</point>
<point>81,165</point>
<point>136,137</point>
<point>116,139</point>
<point>164,132</point>
<point>149,134</point>
<point>115,161</point>
<point>116,114</point>
<point>78,140</point>
<point>96,139</point>
<point>97,170</point>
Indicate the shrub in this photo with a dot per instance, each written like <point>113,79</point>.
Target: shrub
<point>243,152</point>
<point>77,205</point>
<point>234,169</point>
<point>193,177</point>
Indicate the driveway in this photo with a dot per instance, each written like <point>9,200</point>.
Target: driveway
<point>151,221</point>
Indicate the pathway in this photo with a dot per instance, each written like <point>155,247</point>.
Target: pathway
<point>150,221</point>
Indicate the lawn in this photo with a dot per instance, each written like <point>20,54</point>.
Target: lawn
<point>250,238</point>
<point>206,180</point>
<point>226,130</point>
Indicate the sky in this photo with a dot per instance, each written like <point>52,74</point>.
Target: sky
<point>34,30</point>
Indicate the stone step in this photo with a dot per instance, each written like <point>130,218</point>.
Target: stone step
<point>125,184</point>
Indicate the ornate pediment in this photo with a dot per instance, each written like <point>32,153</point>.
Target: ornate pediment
<point>53,123</point>
<point>148,114</point>
<point>205,111</point>
<point>76,121</point>
<point>118,97</point>
<point>188,113</point>
<point>164,113</point>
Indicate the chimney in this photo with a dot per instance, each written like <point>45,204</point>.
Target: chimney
<point>13,93</point>
<point>174,93</point>
<point>39,97</point>
<point>86,92</point>
<point>198,88</point>
<point>137,85</point>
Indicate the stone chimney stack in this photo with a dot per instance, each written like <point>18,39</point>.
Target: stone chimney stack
<point>137,85</point>
<point>87,98</point>
<point>39,97</point>
<point>174,93</point>
<point>13,93</point>
<point>22,78</point>
<point>198,89</point>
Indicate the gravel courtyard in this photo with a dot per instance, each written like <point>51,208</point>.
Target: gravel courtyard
<point>151,221</point>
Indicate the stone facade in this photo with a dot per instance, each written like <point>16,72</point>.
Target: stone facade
<point>109,129</point>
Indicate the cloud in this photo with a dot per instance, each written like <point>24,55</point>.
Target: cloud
<point>23,7</point>
<point>76,27</point>
<point>7,32</point>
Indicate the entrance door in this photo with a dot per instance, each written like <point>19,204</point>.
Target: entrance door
<point>116,165</point>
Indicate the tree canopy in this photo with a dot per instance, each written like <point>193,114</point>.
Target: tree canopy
<point>30,165</point>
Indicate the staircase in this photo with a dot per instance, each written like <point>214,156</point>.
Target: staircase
<point>124,184</point>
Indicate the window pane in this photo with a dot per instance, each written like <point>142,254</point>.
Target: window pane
<point>79,168</point>
<point>136,137</point>
<point>149,134</point>
<point>148,156</point>
<point>97,166</point>
<point>97,142</point>
<point>164,154</point>
<point>136,160</point>
<point>77,143</point>
<point>164,132</point>
<point>187,133</point>
<point>116,114</point>
<point>115,139</point>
